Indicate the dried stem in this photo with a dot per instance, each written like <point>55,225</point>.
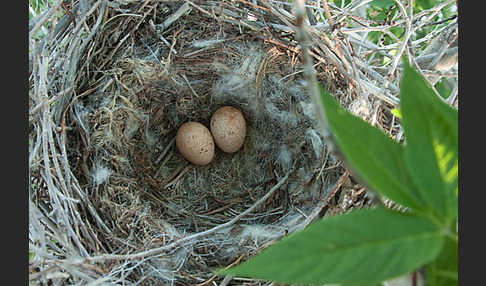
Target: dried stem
<point>182,241</point>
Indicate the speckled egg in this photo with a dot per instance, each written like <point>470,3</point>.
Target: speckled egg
<point>228,127</point>
<point>195,143</point>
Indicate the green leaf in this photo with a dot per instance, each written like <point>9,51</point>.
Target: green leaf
<point>382,3</point>
<point>425,4</point>
<point>396,112</point>
<point>362,247</point>
<point>443,271</point>
<point>447,12</point>
<point>374,36</point>
<point>397,31</point>
<point>373,155</point>
<point>431,135</point>
<point>339,2</point>
<point>442,88</point>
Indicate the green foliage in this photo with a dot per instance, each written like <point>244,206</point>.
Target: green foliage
<point>382,3</point>
<point>36,8</point>
<point>377,13</point>
<point>447,12</point>
<point>374,243</point>
<point>425,4</point>
<point>375,157</point>
<point>442,271</point>
<point>367,246</point>
<point>442,88</point>
<point>39,5</point>
<point>379,9</point>
<point>338,3</point>
<point>374,36</point>
<point>397,31</point>
<point>431,151</point>
<point>396,112</point>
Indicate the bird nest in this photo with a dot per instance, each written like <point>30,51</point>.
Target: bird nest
<point>112,201</point>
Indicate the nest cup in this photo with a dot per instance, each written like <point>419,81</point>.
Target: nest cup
<point>107,182</point>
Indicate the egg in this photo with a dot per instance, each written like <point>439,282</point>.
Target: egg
<point>228,127</point>
<point>195,143</point>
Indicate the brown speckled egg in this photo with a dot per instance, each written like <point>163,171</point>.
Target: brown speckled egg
<point>228,127</point>
<point>195,143</point>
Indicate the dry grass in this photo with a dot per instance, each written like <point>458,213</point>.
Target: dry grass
<point>111,199</point>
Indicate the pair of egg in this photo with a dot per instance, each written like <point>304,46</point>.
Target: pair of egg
<point>196,143</point>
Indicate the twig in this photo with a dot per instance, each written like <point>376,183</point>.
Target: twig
<point>452,97</point>
<point>376,76</point>
<point>44,18</point>
<point>112,53</point>
<point>176,179</point>
<point>172,18</point>
<point>324,203</point>
<point>440,74</point>
<point>67,10</point>
<point>423,60</point>
<point>182,241</point>
<point>328,14</point>
<point>43,272</point>
<point>435,63</point>
<point>408,33</point>
<point>432,11</point>
<point>312,85</point>
<point>237,261</point>
<point>380,93</point>
<point>166,149</point>
<point>337,45</point>
<point>189,84</point>
<point>154,29</point>
<point>227,279</point>
<point>443,21</point>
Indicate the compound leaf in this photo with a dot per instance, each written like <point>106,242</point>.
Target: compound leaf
<point>443,270</point>
<point>373,155</point>
<point>362,247</point>
<point>431,149</point>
